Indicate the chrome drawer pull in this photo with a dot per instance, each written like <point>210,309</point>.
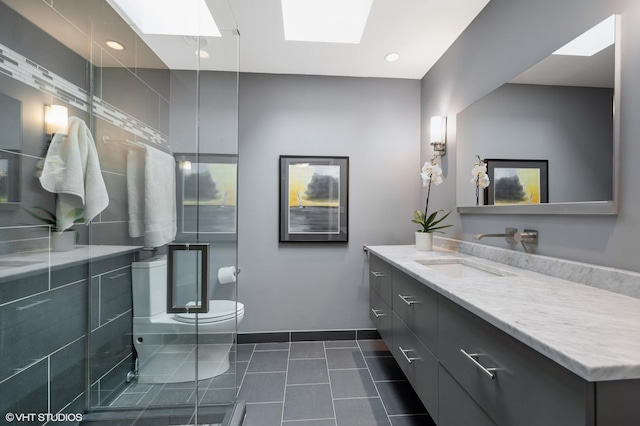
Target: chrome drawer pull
<point>406,300</point>
<point>488,371</point>
<point>113,277</point>
<point>377,314</point>
<point>404,352</point>
<point>377,274</point>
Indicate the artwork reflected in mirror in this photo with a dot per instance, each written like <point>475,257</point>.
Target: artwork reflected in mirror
<point>561,110</point>
<point>10,148</point>
<point>517,182</point>
<point>207,194</point>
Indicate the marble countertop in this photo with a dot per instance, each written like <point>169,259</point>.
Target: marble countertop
<point>592,332</point>
<point>28,263</point>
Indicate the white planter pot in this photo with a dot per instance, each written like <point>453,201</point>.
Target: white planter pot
<point>424,241</point>
<point>63,242</point>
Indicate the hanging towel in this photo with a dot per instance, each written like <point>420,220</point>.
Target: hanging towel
<point>135,192</point>
<point>72,171</point>
<point>159,198</point>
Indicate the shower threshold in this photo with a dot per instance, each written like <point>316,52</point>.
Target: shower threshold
<point>211,415</point>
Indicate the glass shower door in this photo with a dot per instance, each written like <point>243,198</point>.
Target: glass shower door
<point>172,358</point>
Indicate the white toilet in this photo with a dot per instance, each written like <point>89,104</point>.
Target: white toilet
<point>167,344</point>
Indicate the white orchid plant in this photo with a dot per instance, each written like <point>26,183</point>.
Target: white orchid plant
<point>431,174</point>
<point>480,178</point>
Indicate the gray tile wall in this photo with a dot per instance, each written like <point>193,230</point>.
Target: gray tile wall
<point>44,334</point>
<point>52,325</point>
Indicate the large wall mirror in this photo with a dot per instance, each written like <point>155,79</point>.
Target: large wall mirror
<point>10,149</point>
<point>563,111</point>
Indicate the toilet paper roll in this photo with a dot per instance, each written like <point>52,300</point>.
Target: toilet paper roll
<point>227,274</point>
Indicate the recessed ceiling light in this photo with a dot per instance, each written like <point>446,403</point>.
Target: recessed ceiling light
<point>593,41</point>
<point>114,45</point>
<point>391,57</point>
<point>169,17</point>
<point>329,21</point>
<point>203,54</point>
<point>195,41</point>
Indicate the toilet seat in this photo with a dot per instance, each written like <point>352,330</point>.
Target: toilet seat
<point>219,311</point>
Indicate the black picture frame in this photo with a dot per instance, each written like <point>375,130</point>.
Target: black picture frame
<point>314,199</point>
<point>507,186</point>
<point>207,205</point>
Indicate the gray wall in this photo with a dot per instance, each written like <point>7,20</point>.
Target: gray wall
<point>571,127</point>
<point>507,37</point>
<point>375,122</point>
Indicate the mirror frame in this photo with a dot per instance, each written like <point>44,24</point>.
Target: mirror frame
<point>576,208</point>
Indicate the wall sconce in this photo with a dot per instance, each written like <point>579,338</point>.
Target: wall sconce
<point>439,135</point>
<point>56,120</point>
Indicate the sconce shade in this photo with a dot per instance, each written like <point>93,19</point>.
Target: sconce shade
<point>438,134</point>
<point>56,119</point>
<point>436,129</point>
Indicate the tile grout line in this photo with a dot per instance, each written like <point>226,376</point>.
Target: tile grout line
<point>374,383</point>
<point>333,405</point>
<point>286,377</point>
<point>245,370</point>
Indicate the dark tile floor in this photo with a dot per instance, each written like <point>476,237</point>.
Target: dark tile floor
<point>332,383</point>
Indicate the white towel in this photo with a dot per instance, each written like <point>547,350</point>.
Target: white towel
<point>72,170</point>
<point>159,198</point>
<point>135,192</point>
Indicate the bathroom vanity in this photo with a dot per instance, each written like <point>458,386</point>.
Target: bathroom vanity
<point>486,343</point>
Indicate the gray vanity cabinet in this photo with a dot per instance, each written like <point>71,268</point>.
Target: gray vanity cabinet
<point>405,313</point>
<point>380,314</point>
<point>511,382</point>
<point>418,364</point>
<point>380,297</point>
<point>380,278</point>
<point>417,306</point>
<point>456,406</point>
<point>468,372</point>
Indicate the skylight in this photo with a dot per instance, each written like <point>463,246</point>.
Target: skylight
<point>593,41</point>
<point>169,17</point>
<point>327,21</point>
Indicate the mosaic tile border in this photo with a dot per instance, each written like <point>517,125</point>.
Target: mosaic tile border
<point>34,75</point>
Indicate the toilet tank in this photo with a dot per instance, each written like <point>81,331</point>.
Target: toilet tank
<point>149,282</point>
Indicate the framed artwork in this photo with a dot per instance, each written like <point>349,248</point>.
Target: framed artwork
<point>314,199</point>
<point>517,182</point>
<point>206,187</point>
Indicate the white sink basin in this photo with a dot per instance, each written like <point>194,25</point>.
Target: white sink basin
<point>463,268</point>
<point>16,263</point>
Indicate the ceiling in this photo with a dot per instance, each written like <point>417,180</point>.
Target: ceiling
<point>581,71</point>
<point>420,31</point>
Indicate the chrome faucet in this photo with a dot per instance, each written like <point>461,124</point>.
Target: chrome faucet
<point>508,235</point>
<point>512,236</point>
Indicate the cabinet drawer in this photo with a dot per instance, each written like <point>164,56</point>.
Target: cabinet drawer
<point>456,406</point>
<point>417,306</point>
<point>380,314</point>
<point>526,389</point>
<point>417,363</point>
<point>380,278</point>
